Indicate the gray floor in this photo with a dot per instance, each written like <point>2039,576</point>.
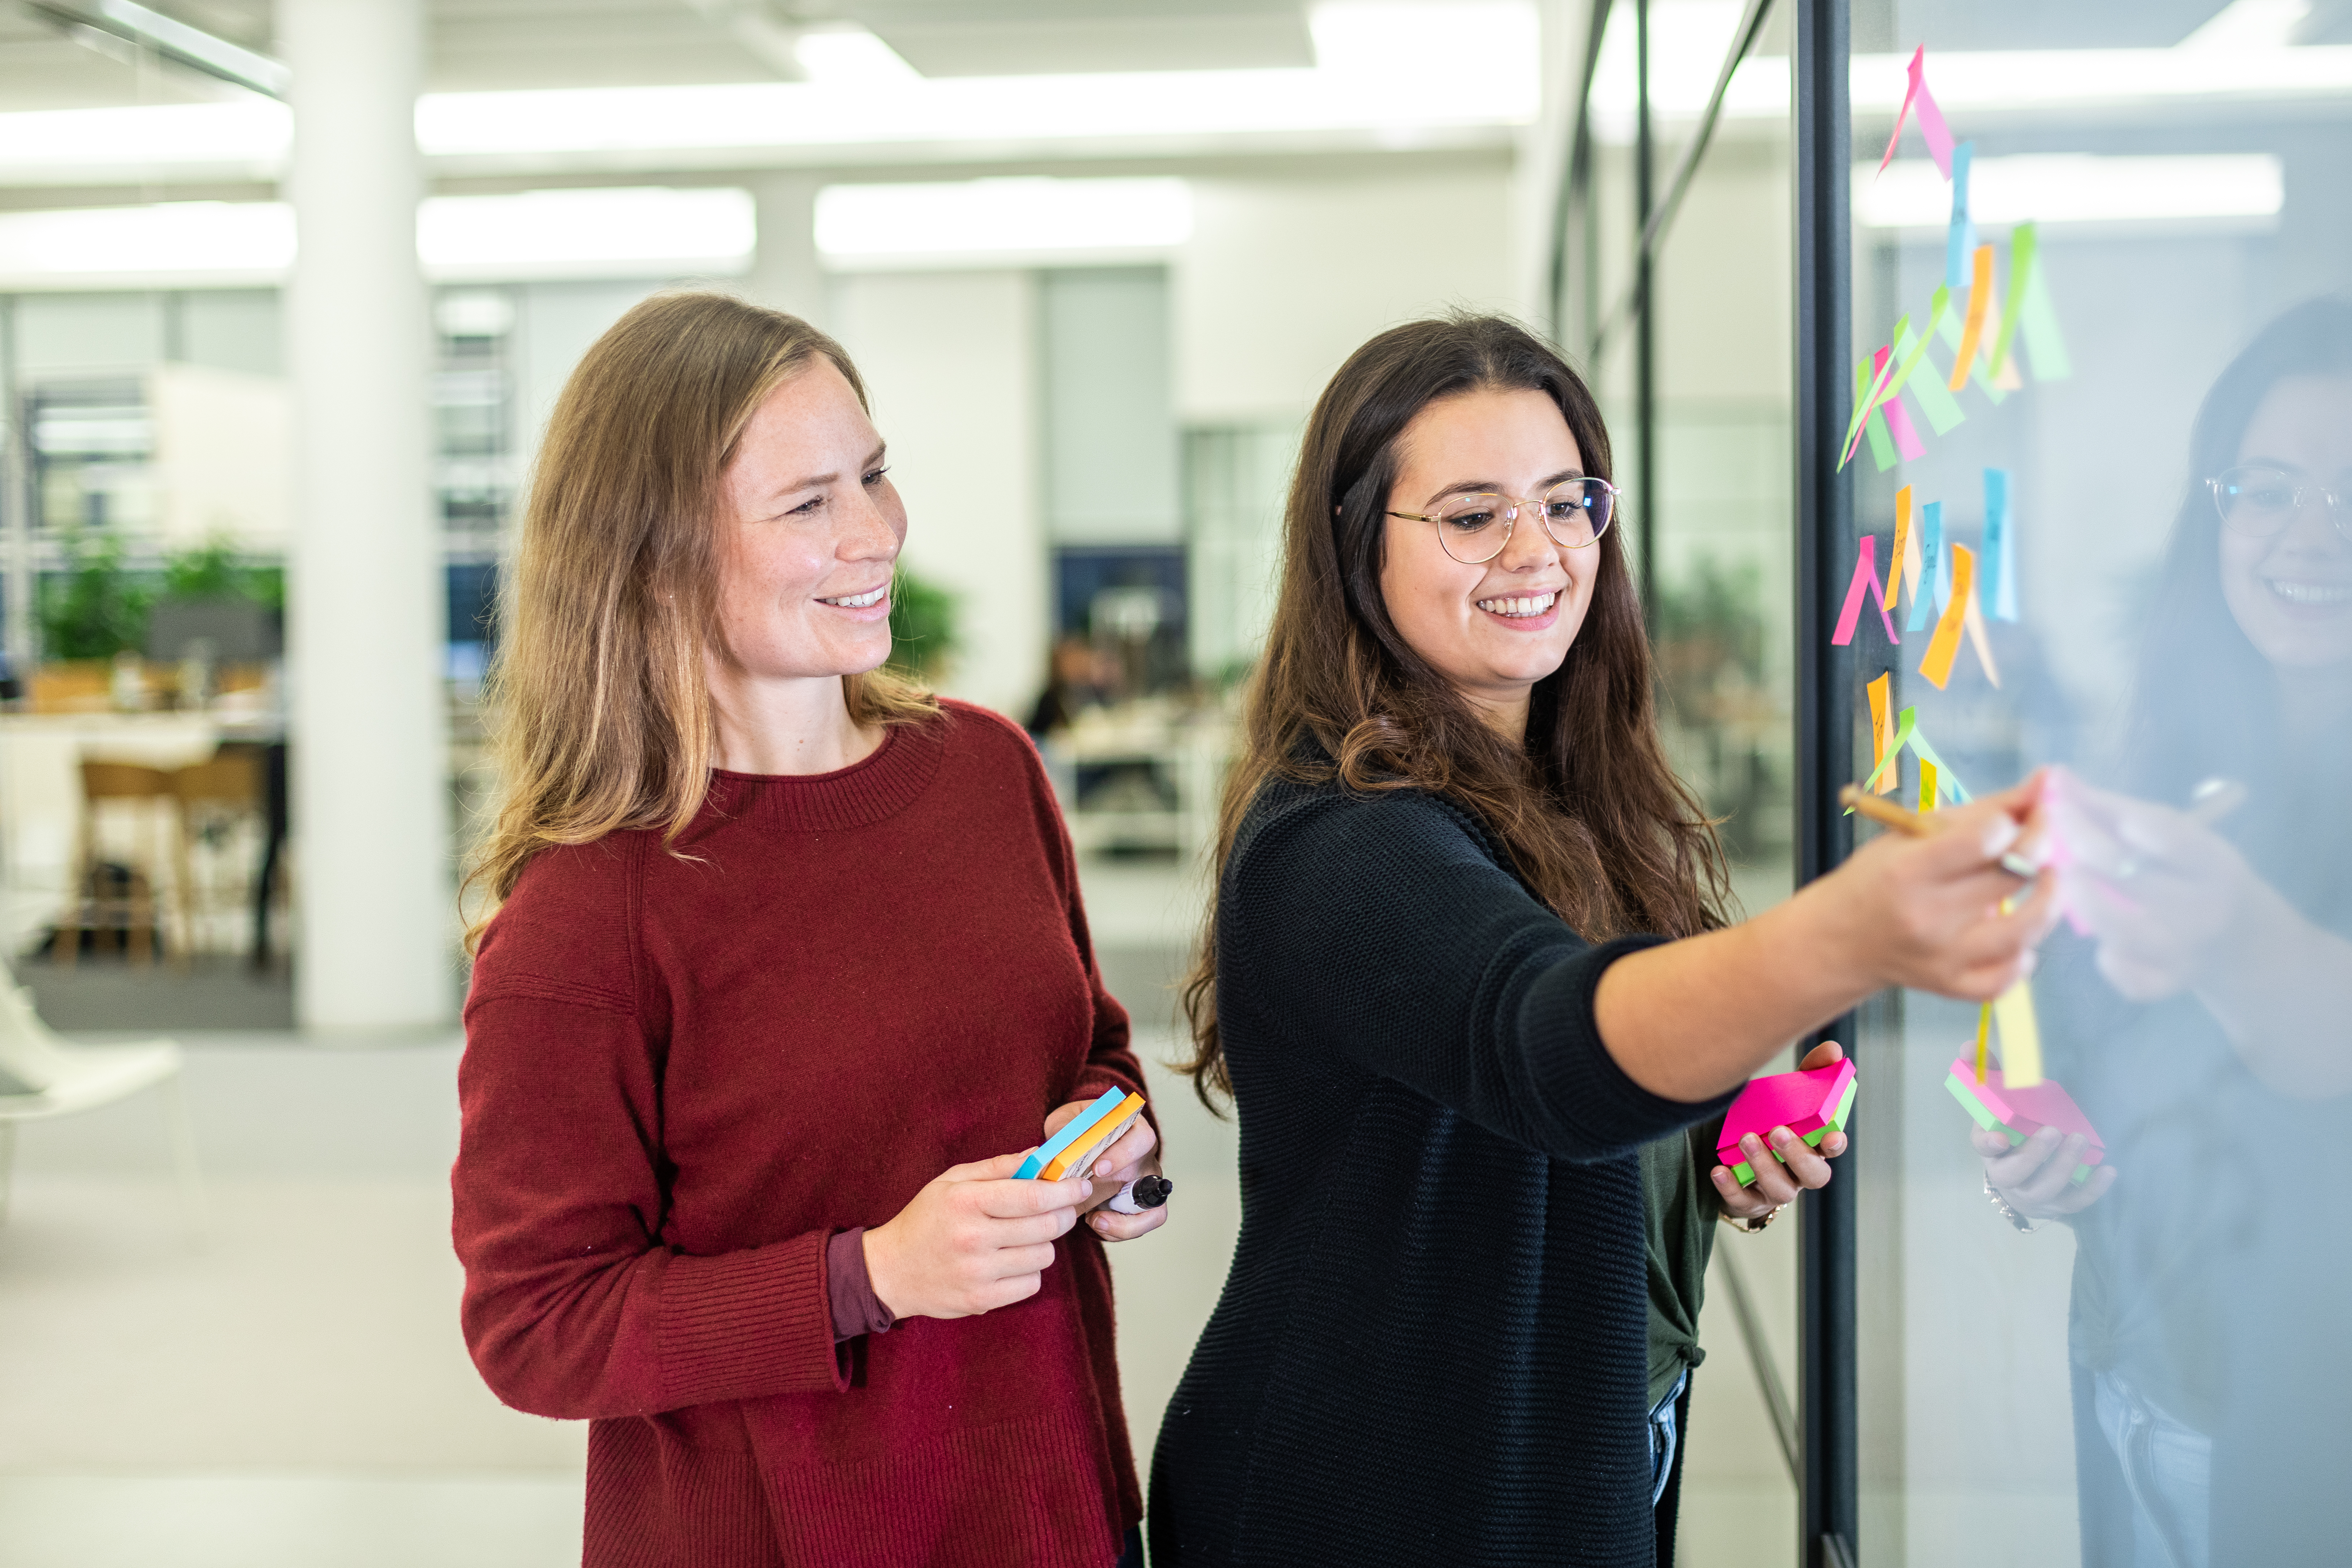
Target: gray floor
<point>103,990</point>
<point>290,1391</point>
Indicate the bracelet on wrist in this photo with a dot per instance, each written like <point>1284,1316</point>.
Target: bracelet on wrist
<point>2017,1221</point>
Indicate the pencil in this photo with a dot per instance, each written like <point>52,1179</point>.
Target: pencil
<point>1887,814</point>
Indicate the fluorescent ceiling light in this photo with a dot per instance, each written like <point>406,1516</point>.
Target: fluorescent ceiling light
<point>1000,223</point>
<point>849,56</point>
<point>2075,188</point>
<point>2084,83</point>
<point>2250,24</point>
<point>643,232</point>
<point>226,244</point>
<point>599,233</point>
<point>1394,75</point>
<point>1478,47</point>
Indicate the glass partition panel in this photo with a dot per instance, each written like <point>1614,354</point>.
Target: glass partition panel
<point>2112,480</point>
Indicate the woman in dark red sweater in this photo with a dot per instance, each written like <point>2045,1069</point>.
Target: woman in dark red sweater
<point>787,970</point>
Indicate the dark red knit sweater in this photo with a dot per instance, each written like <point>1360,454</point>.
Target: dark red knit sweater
<point>682,1076</point>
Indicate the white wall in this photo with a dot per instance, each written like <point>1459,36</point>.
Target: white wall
<point>950,360</point>
<point>1282,279</point>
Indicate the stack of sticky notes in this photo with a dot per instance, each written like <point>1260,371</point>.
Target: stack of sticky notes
<point>1072,1149</point>
<point>1810,1104</point>
<point>2020,1113</point>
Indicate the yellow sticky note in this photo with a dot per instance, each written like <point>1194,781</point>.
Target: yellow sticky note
<point>1899,564</point>
<point>1972,329</point>
<point>1946,643</point>
<point>1927,790</point>
<point>1984,1026</point>
<point>2020,1036</point>
<point>1974,620</point>
<point>1878,701</point>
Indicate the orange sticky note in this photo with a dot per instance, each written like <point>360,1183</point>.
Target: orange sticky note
<point>1972,329</point>
<point>1878,701</point>
<point>1928,790</point>
<point>1946,643</point>
<point>1898,564</point>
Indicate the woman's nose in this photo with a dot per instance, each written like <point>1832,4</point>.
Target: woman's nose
<point>869,532</point>
<point>1529,547</point>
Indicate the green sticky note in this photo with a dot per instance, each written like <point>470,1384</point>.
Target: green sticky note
<point>1936,399</point>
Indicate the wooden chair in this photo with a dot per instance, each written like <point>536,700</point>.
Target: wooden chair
<point>154,806</point>
<point>216,798</point>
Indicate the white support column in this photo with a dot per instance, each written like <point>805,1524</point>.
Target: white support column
<point>784,273</point>
<point>369,728</point>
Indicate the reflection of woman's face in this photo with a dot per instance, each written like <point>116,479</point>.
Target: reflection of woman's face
<point>2291,592</point>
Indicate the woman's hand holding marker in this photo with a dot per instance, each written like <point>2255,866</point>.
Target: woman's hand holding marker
<point>974,1239</point>
<point>1133,1155</point>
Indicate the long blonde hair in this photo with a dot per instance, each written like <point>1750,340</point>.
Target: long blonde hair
<point>602,718</point>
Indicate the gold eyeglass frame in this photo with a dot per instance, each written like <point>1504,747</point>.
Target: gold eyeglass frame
<point>1510,509</point>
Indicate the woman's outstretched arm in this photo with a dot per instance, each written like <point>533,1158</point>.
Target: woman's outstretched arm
<point>1690,1019</point>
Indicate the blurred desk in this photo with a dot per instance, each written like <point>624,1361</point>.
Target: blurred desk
<point>40,792</point>
<point>1141,776</point>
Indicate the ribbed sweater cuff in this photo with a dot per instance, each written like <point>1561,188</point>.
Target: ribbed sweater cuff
<point>1587,1086</point>
<point>747,1324</point>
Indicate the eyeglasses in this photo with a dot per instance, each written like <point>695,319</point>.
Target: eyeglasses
<point>1474,529</point>
<point>2259,503</point>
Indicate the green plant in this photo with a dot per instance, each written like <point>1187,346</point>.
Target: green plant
<point>214,570</point>
<point>94,609</point>
<point>922,624</point>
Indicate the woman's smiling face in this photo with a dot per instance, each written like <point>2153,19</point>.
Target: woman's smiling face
<point>1494,630</point>
<point>811,525</point>
<point>2291,591</point>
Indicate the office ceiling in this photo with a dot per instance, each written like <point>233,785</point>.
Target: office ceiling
<point>489,44</point>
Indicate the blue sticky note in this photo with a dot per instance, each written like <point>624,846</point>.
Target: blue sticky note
<point>1936,568</point>
<point>1076,1129</point>
<point>1960,239</point>
<point>1999,547</point>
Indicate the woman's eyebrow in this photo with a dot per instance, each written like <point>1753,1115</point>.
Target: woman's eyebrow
<point>1474,487</point>
<point>818,482</point>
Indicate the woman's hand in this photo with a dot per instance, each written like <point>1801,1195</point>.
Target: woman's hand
<point>2165,896</point>
<point>1776,1183</point>
<point>1927,912</point>
<point>974,1239</point>
<point>1134,1153</point>
<point>2035,1177</point>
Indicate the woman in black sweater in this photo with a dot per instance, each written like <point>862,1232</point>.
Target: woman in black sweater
<point>1425,985</point>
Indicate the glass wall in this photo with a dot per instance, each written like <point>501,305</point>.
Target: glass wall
<point>2098,306</point>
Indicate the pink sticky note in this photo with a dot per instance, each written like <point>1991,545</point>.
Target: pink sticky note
<point>2025,1111</point>
<point>1931,119</point>
<point>1807,1104</point>
<point>1865,581</point>
<point>1907,438</point>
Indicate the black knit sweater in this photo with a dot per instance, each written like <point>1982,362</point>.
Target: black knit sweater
<point>1428,1122</point>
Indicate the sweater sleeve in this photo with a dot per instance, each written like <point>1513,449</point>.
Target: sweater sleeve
<point>1379,930</point>
<point>573,1306</point>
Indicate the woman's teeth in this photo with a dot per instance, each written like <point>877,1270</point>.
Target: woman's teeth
<point>859,601</point>
<point>2312,593</point>
<point>1534,607</point>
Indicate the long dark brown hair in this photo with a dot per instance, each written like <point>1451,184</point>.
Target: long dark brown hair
<point>1590,812</point>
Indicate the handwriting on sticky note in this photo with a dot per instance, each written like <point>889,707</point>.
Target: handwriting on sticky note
<point>1879,718</point>
<point>1946,643</point>
<point>1973,328</point>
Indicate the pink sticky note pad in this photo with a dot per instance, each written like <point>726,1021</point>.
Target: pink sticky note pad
<point>2022,1112</point>
<point>1808,1104</point>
